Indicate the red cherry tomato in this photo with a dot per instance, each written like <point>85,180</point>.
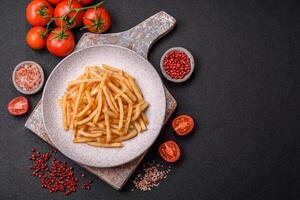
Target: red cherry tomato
<point>35,37</point>
<point>183,125</point>
<point>18,106</point>
<point>97,21</point>
<point>85,2</point>
<point>169,151</point>
<point>71,21</point>
<point>39,12</point>
<point>54,2</point>
<point>60,42</point>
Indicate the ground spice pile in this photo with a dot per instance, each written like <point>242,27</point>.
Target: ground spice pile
<point>151,176</point>
<point>55,175</point>
<point>28,77</point>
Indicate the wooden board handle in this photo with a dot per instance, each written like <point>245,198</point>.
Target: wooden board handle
<point>139,38</point>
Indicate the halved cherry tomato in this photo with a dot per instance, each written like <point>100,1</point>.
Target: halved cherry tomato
<point>60,42</point>
<point>97,21</point>
<point>85,2</point>
<point>39,12</point>
<point>54,2</point>
<point>18,106</point>
<point>70,21</point>
<point>169,151</point>
<point>36,38</point>
<point>183,124</point>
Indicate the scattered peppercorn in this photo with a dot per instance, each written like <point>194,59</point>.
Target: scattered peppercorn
<point>177,64</point>
<point>56,176</point>
<point>86,185</point>
<point>53,150</point>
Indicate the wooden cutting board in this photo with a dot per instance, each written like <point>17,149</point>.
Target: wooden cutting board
<point>140,39</point>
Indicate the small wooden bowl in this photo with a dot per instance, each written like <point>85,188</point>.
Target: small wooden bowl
<point>37,88</point>
<point>191,60</point>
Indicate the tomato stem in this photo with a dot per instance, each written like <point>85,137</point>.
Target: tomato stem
<point>60,34</point>
<point>69,22</point>
<point>43,10</point>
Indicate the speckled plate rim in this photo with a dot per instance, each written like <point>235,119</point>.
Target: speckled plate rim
<point>110,164</point>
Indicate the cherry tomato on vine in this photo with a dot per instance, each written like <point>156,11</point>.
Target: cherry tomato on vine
<point>183,124</point>
<point>97,21</point>
<point>169,151</point>
<point>85,2</point>
<point>73,19</point>
<point>39,12</point>
<point>18,106</point>
<point>60,42</point>
<point>54,2</point>
<point>36,38</point>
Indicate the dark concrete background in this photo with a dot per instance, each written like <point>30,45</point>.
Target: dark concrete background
<point>244,96</point>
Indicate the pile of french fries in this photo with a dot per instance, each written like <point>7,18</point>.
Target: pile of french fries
<point>103,107</point>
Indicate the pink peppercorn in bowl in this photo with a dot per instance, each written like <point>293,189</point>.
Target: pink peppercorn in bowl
<point>28,77</point>
<point>177,64</point>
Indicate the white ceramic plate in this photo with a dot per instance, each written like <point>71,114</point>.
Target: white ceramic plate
<point>70,68</point>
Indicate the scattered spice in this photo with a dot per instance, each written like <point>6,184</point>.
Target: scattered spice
<point>28,77</point>
<point>177,64</point>
<point>151,176</point>
<point>56,176</point>
<point>86,185</point>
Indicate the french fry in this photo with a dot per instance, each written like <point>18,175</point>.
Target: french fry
<point>113,100</point>
<point>135,89</point>
<point>84,140</point>
<point>103,107</point>
<point>137,112</point>
<point>120,92</point>
<point>145,119</point>
<point>107,125</point>
<point>93,80</point>
<point>78,100</point>
<point>121,78</point>
<point>91,124</point>
<point>84,111</point>
<point>94,91</point>
<point>109,68</point>
<point>73,89</point>
<point>96,118</point>
<point>111,114</point>
<point>130,135</point>
<point>68,118</point>
<point>116,131</point>
<point>137,126</point>
<point>108,100</point>
<point>128,92</point>
<point>64,113</point>
<point>87,119</point>
<point>128,118</point>
<point>92,135</point>
<point>121,113</point>
<point>110,145</point>
<point>101,125</point>
<point>142,124</point>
